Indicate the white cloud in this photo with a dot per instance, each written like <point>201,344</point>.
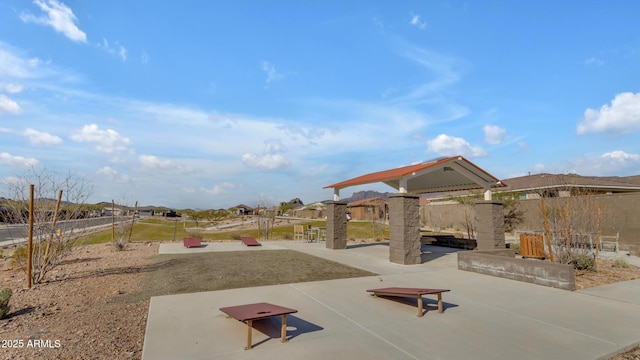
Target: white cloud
<point>11,88</point>
<point>144,58</point>
<point>153,162</point>
<point>267,161</point>
<point>494,134</point>
<point>219,188</point>
<point>105,141</point>
<point>616,162</point>
<point>107,171</point>
<point>270,71</point>
<point>8,105</point>
<point>58,16</point>
<point>270,158</point>
<point>613,163</point>
<point>415,21</point>
<point>18,161</point>
<point>622,116</point>
<point>446,145</point>
<point>41,138</point>
<point>114,176</point>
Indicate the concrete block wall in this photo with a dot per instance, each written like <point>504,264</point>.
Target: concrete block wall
<point>489,225</point>
<point>336,225</point>
<point>538,272</point>
<point>404,229</point>
<point>620,212</point>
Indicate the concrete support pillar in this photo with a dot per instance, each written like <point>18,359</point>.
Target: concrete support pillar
<point>489,225</point>
<point>404,229</point>
<point>336,225</point>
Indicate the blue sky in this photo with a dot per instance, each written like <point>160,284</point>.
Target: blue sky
<point>210,104</point>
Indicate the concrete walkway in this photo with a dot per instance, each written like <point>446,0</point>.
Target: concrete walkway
<point>484,318</point>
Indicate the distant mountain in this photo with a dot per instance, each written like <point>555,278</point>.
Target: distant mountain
<point>367,194</point>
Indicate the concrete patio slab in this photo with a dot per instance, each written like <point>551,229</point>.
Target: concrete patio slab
<point>484,317</point>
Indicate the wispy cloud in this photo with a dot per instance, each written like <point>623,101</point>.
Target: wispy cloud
<point>59,16</point>
<point>15,67</point>
<point>417,22</point>
<point>446,145</point>
<point>443,73</point>
<point>11,88</point>
<point>594,61</point>
<point>622,116</point>
<point>270,70</point>
<point>114,49</point>
<point>105,141</point>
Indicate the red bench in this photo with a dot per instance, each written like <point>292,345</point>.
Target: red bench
<point>191,242</point>
<point>411,292</point>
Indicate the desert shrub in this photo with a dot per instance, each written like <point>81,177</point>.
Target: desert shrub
<point>287,236</point>
<point>5,295</point>
<point>620,263</point>
<point>515,247</point>
<point>584,262</point>
<point>235,236</point>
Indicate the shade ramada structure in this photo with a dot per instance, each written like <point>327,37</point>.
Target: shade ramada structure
<point>445,174</point>
<point>440,175</point>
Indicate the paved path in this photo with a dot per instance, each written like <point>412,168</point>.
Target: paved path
<point>484,318</point>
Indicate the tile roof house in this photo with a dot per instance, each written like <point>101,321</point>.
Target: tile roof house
<point>565,185</point>
<point>368,209</point>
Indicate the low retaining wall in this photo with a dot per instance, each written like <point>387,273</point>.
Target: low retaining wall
<point>539,272</point>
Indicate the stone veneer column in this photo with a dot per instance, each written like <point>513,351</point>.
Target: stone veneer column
<point>489,225</point>
<point>404,229</point>
<point>336,225</point>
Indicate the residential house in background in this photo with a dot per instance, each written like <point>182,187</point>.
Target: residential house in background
<point>243,209</point>
<point>565,185</point>
<point>375,208</point>
<point>316,210</point>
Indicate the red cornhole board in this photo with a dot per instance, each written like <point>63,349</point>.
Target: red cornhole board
<point>191,242</point>
<point>248,313</point>
<point>249,241</point>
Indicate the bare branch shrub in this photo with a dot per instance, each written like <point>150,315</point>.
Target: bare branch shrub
<point>574,226</point>
<point>123,226</point>
<point>56,226</point>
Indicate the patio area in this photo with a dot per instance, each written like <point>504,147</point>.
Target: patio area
<point>484,317</point>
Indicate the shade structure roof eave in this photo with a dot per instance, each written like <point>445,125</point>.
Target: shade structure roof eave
<point>446,174</point>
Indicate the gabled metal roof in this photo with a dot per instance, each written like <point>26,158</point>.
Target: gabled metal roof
<point>439,175</point>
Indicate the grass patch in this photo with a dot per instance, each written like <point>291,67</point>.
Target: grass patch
<point>163,230</point>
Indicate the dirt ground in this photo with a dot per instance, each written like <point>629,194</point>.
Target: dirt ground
<point>95,304</point>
